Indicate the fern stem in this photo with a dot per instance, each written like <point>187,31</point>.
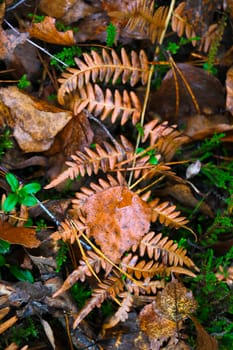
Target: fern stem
<point>147,94</point>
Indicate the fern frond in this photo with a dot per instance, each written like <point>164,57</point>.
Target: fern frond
<point>91,161</point>
<point>103,185</point>
<point>167,214</point>
<point>122,312</point>
<point>159,247</point>
<point>104,67</point>
<point>146,20</point>
<point>109,288</point>
<point>166,137</point>
<point>95,101</point>
<point>83,271</point>
<point>180,23</point>
<point>148,286</point>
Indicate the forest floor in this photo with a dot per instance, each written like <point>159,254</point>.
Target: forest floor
<point>116,174</point>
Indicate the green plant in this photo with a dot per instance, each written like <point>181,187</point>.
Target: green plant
<point>5,141</point>
<point>17,272</point>
<point>62,254</point>
<point>67,56</point>
<point>174,47</point>
<point>81,293</point>
<point>20,194</point>
<point>63,28</point>
<point>36,18</point>
<point>214,297</point>
<point>23,333</point>
<point>111,32</point>
<point>23,82</point>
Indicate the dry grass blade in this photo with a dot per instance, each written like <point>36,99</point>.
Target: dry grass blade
<point>125,106</point>
<point>104,67</point>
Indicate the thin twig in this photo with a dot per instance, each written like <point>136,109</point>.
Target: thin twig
<point>38,46</point>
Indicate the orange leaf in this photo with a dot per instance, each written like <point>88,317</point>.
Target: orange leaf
<point>204,340</point>
<point>18,235</point>
<point>117,218</point>
<point>47,31</point>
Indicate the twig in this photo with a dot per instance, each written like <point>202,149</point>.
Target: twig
<point>38,47</point>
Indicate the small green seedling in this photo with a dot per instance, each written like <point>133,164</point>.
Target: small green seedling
<point>23,82</point>
<point>111,32</point>
<point>20,194</point>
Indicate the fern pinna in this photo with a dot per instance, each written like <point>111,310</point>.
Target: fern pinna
<point>115,221</point>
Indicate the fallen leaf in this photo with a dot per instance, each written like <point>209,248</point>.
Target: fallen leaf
<point>35,123</point>
<point>183,194</point>
<point>18,235</point>
<point>9,41</point>
<point>47,31</point>
<point>49,332</point>
<point>204,340</point>
<point>199,81</point>
<point>117,218</point>
<point>68,11</point>
<point>155,324</point>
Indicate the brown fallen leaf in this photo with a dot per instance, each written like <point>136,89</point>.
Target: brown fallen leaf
<point>68,11</point>
<point>183,194</point>
<point>180,110</point>
<point>9,41</point>
<point>35,123</point>
<point>119,216</point>
<point>18,235</point>
<point>8,323</point>
<point>47,31</point>
<point>204,340</point>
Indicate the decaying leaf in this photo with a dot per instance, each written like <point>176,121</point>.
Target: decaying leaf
<point>47,31</point>
<point>68,10</point>
<point>154,324</point>
<point>204,340</point>
<point>117,218</point>
<point>35,123</point>
<point>24,236</point>
<point>175,301</point>
<point>186,93</point>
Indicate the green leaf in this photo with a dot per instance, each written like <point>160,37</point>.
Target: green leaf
<point>20,274</point>
<point>2,260</point>
<point>12,181</point>
<point>31,188</point>
<point>29,201</point>
<point>4,247</point>
<point>10,202</point>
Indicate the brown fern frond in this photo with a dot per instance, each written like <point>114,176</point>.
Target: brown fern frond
<point>165,137</point>
<point>86,192</point>
<point>125,105</point>
<point>122,312</point>
<point>104,67</point>
<point>167,214</point>
<point>146,20</point>
<point>82,271</point>
<point>109,288</point>
<point>180,23</point>
<point>159,247</point>
<point>91,161</point>
<point>69,230</point>
<point>148,286</point>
